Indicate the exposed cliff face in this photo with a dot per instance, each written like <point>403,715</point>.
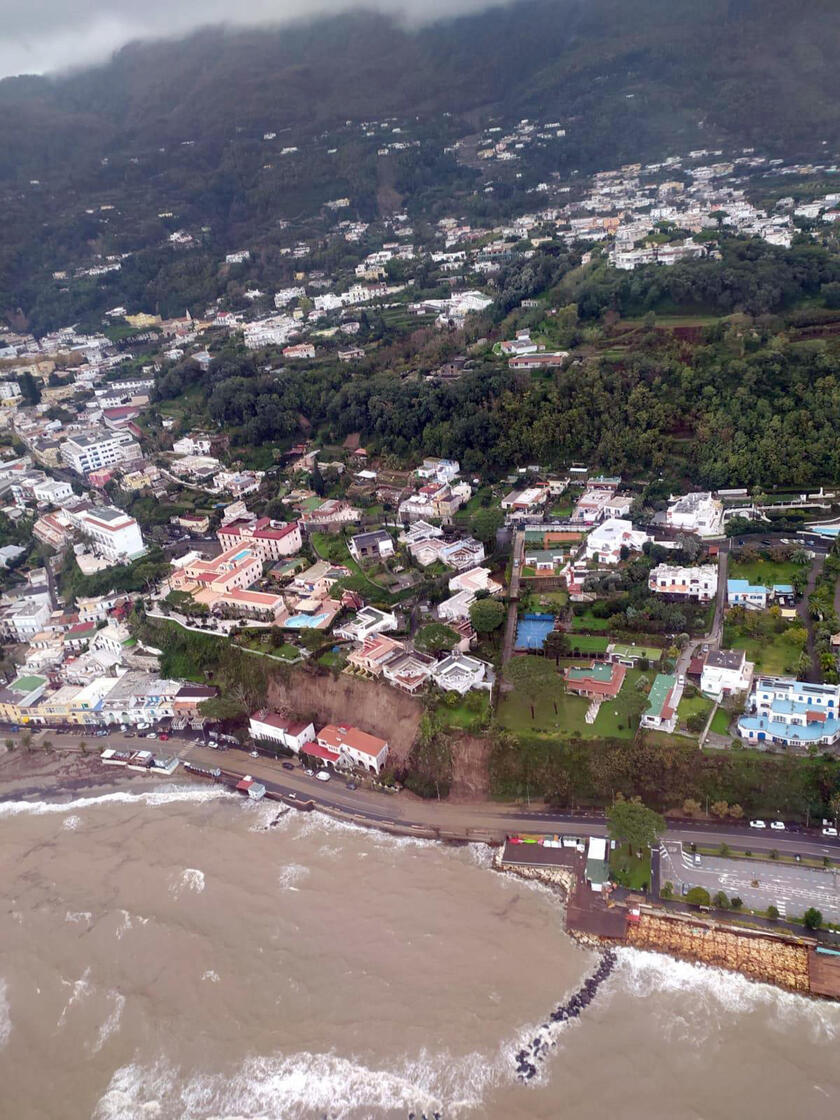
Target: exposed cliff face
<point>373,707</point>
<point>470,768</point>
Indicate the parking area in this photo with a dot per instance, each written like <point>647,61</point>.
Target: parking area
<point>758,883</point>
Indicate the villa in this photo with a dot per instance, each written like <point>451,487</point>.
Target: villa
<point>601,681</point>
<point>663,700</point>
<point>791,713</point>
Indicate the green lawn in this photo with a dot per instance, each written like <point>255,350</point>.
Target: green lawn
<point>333,659</point>
<point>551,601</point>
<point>617,719</point>
<point>720,723</point>
<point>771,653</point>
<point>588,621</point>
<point>628,870</point>
<point>588,643</point>
<point>564,722</point>
<point>765,572</point>
<point>690,706</point>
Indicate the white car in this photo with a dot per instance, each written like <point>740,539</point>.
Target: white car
<point>829,831</point>
<point>323,776</point>
<point>757,824</point>
<point>777,826</point>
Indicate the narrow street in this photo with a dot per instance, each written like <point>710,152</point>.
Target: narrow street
<point>513,608</point>
<point>814,672</point>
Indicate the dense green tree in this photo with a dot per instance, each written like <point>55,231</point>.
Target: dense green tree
<point>698,896</point>
<point>487,615</point>
<point>632,823</point>
<point>435,637</point>
<point>812,918</point>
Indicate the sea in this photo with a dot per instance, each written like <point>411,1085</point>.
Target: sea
<point>187,954</point>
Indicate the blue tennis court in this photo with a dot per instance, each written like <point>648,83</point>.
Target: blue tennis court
<point>532,629</point>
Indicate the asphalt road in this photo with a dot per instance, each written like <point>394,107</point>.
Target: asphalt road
<point>474,820</point>
<point>791,889</point>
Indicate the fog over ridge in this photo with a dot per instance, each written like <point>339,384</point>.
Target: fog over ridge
<point>53,35</point>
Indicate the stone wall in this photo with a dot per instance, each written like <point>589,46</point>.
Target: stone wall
<point>769,959</point>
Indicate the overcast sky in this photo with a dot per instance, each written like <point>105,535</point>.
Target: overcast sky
<point>39,36</point>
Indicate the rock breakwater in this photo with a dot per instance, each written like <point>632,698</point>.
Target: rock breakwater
<point>539,1046</point>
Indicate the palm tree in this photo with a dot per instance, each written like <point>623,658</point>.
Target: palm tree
<point>10,745</point>
<point>26,740</point>
<point>47,745</point>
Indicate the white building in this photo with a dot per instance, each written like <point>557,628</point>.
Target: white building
<point>607,540</point>
<point>367,621</point>
<point>341,743</point>
<point>86,453</point>
<point>291,733</point>
<point>459,673</point>
<point>689,583</point>
<point>115,536</point>
<point>792,713</point>
<point>695,513</point>
<point>726,672</point>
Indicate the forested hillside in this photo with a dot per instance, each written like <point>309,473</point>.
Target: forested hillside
<point>177,127</point>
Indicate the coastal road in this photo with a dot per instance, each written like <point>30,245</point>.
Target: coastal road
<point>478,821</point>
<point>481,819</point>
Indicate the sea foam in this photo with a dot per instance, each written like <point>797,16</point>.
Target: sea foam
<point>647,974</point>
<point>167,796</point>
<point>111,1023</point>
<point>300,1086</point>
<point>190,879</point>
<point>5,1015</point>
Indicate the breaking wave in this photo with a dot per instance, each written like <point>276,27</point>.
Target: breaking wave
<point>646,974</point>
<point>111,1024</point>
<point>190,879</point>
<point>302,1086</point>
<point>168,796</point>
<point>5,1015</point>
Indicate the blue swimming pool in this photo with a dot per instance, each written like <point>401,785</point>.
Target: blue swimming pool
<point>304,621</point>
<point>532,630</point>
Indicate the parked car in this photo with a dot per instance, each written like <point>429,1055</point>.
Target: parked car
<point>323,776</point>
<point>311,773</point>
<point>164,735</point>
<point>152,735</point>
<point>829,831</point>
<point>351,785</point>
<point>696,859</point>
<point>777,826</point>
<point>254,754</point>
<point>757,824</point>
<point>288,766</point>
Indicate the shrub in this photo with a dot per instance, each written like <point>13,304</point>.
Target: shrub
<point>772,913</point>
<point>812,919</point>
<point>698,896</point>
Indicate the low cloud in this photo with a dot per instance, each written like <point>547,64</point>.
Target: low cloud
<point>44,36</point>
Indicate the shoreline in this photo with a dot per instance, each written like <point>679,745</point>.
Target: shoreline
<point>781,960</point>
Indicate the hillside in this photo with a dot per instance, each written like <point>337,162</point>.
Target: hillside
<point>177,127</point>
